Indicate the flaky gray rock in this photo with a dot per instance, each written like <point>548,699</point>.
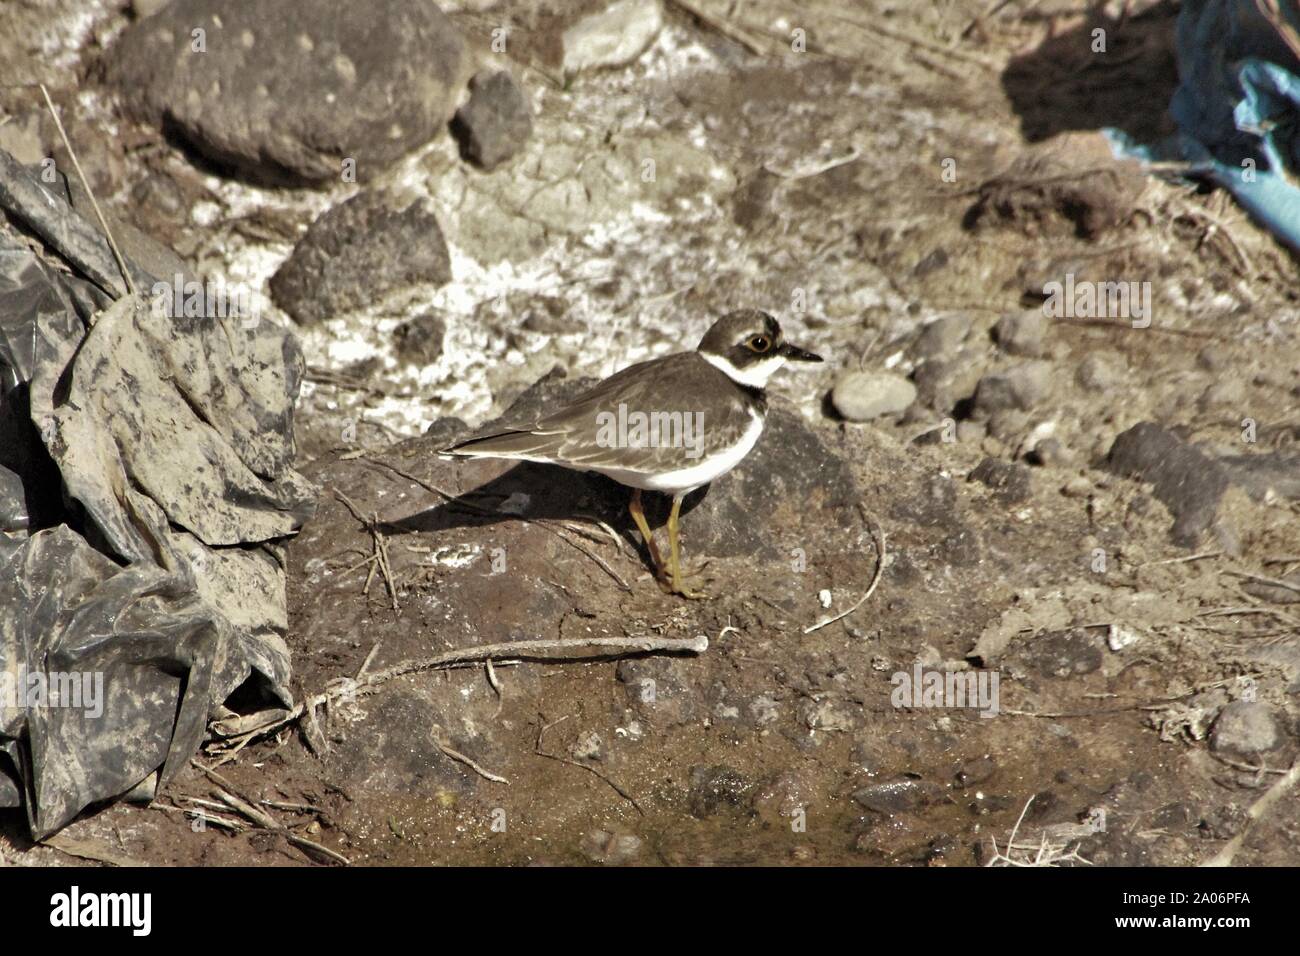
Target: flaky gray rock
<point>1245,729</point>
<point>1022,333</point>
<point>496,122</point>
<point>614,36</point>
<point>942,337</point>
<point>1009,480</point>
<point>1019,388</point>
<point>359,251</point>
<point>289,89</point>
<point>420,339</point>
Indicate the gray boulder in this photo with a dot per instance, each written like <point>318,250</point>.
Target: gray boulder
<point>289,89</point>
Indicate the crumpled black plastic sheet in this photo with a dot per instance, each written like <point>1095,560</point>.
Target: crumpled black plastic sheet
<point>146,487</point>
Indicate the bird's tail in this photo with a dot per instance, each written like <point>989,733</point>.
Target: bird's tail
<point>507,444</point>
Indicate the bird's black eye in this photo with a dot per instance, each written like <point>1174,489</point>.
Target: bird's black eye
<point>759,343</point>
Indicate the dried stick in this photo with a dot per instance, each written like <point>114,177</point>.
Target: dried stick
<point>440,741</point>
<point>1254,814</point>
<point>541,730</point>
<point>103,223</point>
<point>575,649</point>
<point>245,806</point>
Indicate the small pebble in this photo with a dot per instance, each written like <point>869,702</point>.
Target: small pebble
<point>943,336</point>
<point>613,849</point>
<point>1022,333</point>
<point>1098,373</point>
<point>862,396</point>
<point>1020,387</point>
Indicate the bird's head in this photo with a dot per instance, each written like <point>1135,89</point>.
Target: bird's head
<point>749,347</point>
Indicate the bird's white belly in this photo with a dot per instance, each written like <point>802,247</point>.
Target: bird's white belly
<point>694,476</point>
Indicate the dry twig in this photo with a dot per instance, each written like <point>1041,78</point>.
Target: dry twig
<point>103,223</point>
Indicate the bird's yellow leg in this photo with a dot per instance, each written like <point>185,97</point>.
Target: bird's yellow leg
<point>674,555</point>
<point>638,516</point>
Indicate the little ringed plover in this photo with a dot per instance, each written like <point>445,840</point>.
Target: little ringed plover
<point>671,424</point>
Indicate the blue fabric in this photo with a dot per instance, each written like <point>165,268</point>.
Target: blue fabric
<point>1237,103</point>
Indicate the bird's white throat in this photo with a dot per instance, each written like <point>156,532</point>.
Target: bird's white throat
<point>755,376</point>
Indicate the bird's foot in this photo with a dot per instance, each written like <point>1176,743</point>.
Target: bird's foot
<point>676,584</point>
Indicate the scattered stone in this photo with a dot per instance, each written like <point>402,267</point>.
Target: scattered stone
<point>1009,426</point>
<point>1188,482</point>
<point>1009,480</point>
<point>781,798</point>
<point>1077,487</point>
<point>943,336</point>
<point>1118,637</point>
<point>1245,729</point>
<point>935,260</point>
<point>1050,453</point>
<point>935,385</point>
<point>715,788</point>
<point>975,771</point>
<point>1019,388</point>
<point>1097,373</point>
<point>1022,333</point>
<point>286,90</point>
<point>353,255</point>
<point>496,122</point>
<point>588,746</point>
<point>610,849</point>
<point>897,796</point>
<point>862,396</point>
<point>615,36</point>
<point>420,339</point>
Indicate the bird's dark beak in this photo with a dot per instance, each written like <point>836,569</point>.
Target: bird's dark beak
<point>796,354</point>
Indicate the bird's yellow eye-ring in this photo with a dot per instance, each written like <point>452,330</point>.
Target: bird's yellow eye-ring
<point>759,343</point>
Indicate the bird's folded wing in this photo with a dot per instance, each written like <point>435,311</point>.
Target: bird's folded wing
<point>578,434</point>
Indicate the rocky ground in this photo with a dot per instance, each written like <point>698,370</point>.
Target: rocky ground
<point>1103,513</point>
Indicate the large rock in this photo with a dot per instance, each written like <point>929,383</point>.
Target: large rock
<point>1187,481</point>
<point>291,88</point>
<point>1245,729</point>
<point>359,251</point>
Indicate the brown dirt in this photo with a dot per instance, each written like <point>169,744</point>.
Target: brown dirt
<point>753,751</point>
